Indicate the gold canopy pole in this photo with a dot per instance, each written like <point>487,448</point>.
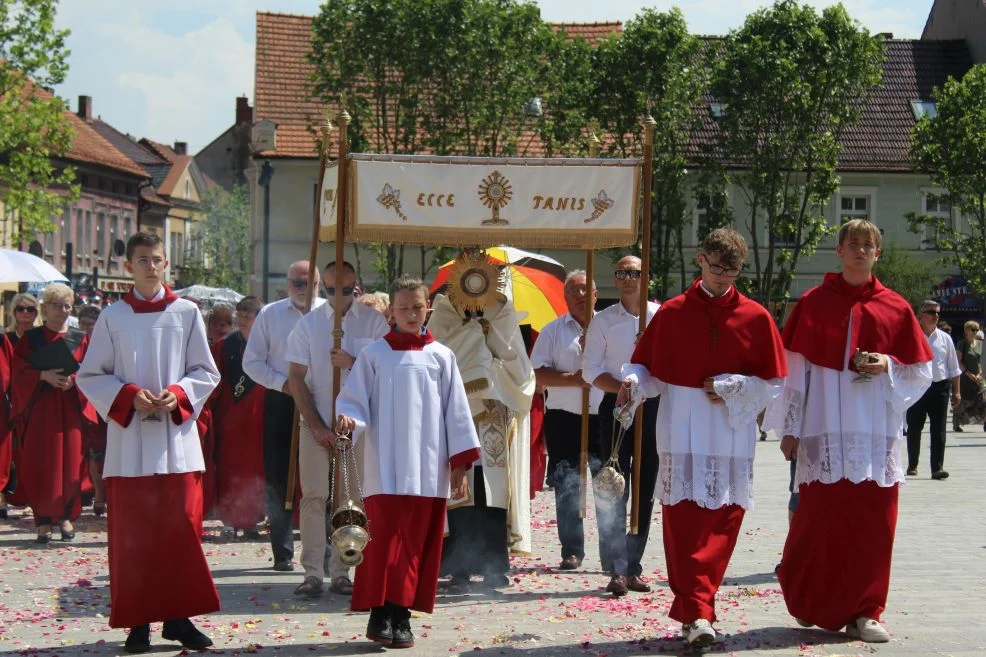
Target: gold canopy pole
<point>638,426</point>
<point>590,306</point>
<point>324,129</point>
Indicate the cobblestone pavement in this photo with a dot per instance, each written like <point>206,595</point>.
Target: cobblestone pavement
<point>54,599</point>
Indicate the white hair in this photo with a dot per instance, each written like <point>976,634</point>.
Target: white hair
<point>574,274</point>
<point>57,291</point>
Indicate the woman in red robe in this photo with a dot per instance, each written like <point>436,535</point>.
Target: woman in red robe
<point>24,312</point>
<point>238,427</point>
<point>47,410</point>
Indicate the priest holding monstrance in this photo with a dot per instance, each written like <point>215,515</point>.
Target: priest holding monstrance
<point>480,325</point>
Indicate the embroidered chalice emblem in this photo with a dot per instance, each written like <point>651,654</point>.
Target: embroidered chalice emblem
<point>495,192</point>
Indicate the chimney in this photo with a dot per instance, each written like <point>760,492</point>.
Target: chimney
<point>244,113</point>
<point>181,147</point>
<point>85,108</point>
<point>887,36</point>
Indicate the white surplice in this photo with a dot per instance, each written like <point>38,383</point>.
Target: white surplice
<point>412,415</point>
<point>848,428</point>
<point>152,351</point>
<point>706,450</point>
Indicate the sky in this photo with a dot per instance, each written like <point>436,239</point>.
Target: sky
<point>171,71</point>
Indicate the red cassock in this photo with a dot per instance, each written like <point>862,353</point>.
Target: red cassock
<point>51,425</point>
<point>691,338</point>
<point>6,435</point>
<point>207,439</point>
<point>539,456</point>
<point>238,427</point>
<point>837,557</point>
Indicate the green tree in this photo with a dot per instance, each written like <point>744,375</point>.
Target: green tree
<point>653,68</point>
<point>904,274</point>
<point>33,127</point>
<point>951,146</point>
<point>790,82</point>
<point>224,235</point>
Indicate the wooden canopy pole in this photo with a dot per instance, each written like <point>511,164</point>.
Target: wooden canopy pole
<point>323,147</point>
<point>638,425</point>
<point>590,307</point>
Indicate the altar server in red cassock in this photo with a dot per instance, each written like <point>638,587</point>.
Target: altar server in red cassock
<point>405,398</point>
<point>716,359</point>
<point>47,410</point>
<point>238,425</point>
<point>149,373</point>
<point>6,435</point>
<point>843,422</point>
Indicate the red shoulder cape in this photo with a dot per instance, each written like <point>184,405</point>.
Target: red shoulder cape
<point>882,322</point>
<point>678,346</point>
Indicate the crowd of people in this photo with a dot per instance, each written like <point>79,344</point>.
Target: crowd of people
<point>451,407</point>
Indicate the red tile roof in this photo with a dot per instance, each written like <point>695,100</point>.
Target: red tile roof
<point>161,150</point>
<point>88,146</point>
<point>178,167</point>
<point>880,142</point>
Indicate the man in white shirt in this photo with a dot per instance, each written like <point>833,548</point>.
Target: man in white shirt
<point>557,362</point>
<point>311,356</point>
<point>609,343</point>
<point>264,362</point>
<point>945,373</point>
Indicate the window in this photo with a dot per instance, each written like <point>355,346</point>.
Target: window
<point>935,203</point>
<point>709,212</point>
<point>101,249</point>
<point>87,236</point>
<point>923,108</point>
<point>180,251</point>
<point>127,228</point>
<point>717,110</point>
<point>785,233</point>
<point>855,203</point>
<point>188,188</point>
<point>79,231</point>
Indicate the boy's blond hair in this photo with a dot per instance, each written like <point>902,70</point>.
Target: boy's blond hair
<point>858,227</point>
<point>407,282</point>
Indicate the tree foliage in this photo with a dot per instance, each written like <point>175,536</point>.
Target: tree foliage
<point>33,126</point>
<point>904,274</point>
<point>224,235</point>
<point>951,147</point>
<point>790,82</point>
<point>653,69</point>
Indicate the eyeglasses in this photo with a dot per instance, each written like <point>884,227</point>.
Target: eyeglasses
<point>25,309</point>
<point>932,312</point>
<point>346,291</point>
<point>623,274</point>
<point>719,270</point>
<point>64,307</point>
<point>298,283</point>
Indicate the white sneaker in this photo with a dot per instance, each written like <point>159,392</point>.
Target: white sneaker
<point>700,634</point>
<point>868,630</point>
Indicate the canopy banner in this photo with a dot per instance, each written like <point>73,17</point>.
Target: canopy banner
<point>470,201</point>
<point>327,203</point>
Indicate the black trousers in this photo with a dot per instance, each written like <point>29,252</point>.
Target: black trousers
<point>477,541</point>
<point>562,432</point>
<point>934,405</point>
<point>619,551</point>
<point>278,420</point>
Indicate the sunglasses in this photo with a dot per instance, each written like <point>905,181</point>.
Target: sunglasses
<point>346,291</point>
<point>25,309</point>
<point>623,274</point>
<point>932,312</point>
<point>298,283</point>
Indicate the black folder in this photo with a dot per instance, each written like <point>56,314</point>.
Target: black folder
<point>56,355</point>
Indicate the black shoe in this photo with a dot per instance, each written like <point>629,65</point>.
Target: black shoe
<point>958,429</point>
<point>184,631</point>
<point>67,534</point>
<point>939,475</point>
<point>378,628</point>
<point>3,513</point>
<point>459,584</point>
<point>139,639</point>
<point>496,580</point>
<point>400,622</point>
<point>284,566</point>
<point>43,538</point>
<point>99,509</point>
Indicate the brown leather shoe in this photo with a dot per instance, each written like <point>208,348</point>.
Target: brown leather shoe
<point>571,562</point>
<point>617,586</point>
<point>636,583</point>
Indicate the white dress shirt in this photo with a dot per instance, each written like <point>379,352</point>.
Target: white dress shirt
<point>310,344</point>
<point>263,357</point>
<point>945,362</point>
<point>610,341</point>
<point>557,347</point>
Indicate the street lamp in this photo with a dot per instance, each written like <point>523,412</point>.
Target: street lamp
<point>266,174</point>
